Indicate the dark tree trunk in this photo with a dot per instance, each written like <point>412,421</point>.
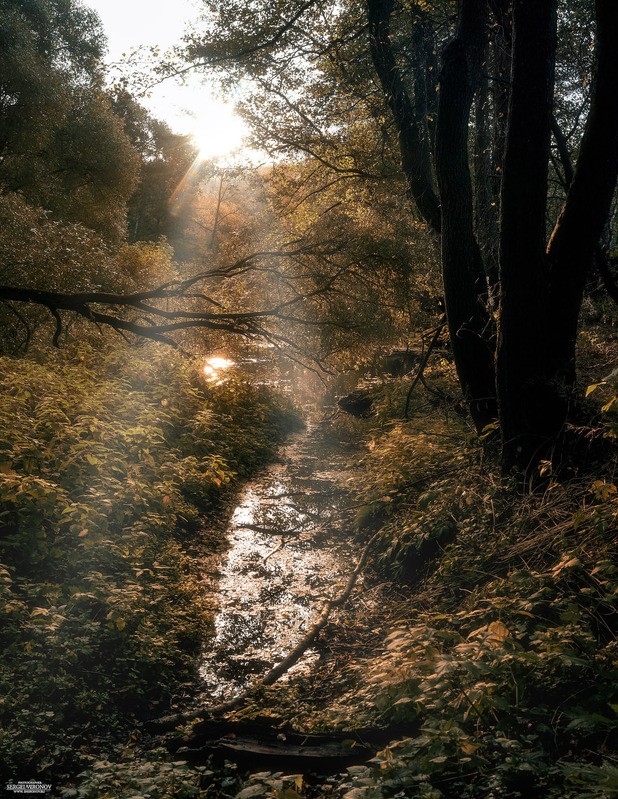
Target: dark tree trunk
<point>485,207</point>
<point>425,77</point>
<point>529,418</point>
<point>465,285</point>
<point>583,217</point>
<point>413,145</point>
<point>432,69</point>
<point>501,52</point>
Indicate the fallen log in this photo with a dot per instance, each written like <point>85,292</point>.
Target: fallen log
<point>251,754</point>
<point>257,744</point>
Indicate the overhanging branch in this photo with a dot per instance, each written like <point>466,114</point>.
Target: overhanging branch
<point>161,312</point>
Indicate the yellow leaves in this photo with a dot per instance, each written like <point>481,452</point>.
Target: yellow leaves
<point>83,533</point>
<point>498,632</point>
<point>495,634</point>
<point>593,387</point>
<point>566,563</point>
<point>13,606</point>
<point>116,619</point>
<point>545,467</point>
<point>603,490</point>
<point>608,381</point>
<point>489,431</point>
<point>468,748</point>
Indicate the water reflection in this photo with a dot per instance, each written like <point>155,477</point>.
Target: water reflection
<point>285,557</point>
<point>214,366</point>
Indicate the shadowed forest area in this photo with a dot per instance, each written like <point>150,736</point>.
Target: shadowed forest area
<point>308,452</point>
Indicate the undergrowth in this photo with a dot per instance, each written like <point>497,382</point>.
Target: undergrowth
<point>503,661</point>
<point>500,661</point>
<point>108,465</point>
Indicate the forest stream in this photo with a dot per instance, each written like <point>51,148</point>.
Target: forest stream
<point>288,552</point>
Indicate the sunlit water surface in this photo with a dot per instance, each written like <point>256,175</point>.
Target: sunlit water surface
<point>288,552</point>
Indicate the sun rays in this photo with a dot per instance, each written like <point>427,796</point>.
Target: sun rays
<point>218,131</point>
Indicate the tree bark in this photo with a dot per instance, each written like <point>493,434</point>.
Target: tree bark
<point>485,206</point>
<point>465,285</point>
<point>529,418</point>
<point>580,224</point>
<point>425,77</point>
<point>414,147</point>
<point>501,54</point>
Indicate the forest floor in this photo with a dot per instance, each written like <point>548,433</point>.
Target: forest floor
<point>474,658</point>
<point>481,636</point>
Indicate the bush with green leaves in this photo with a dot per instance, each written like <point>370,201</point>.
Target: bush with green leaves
<point>109,466</point>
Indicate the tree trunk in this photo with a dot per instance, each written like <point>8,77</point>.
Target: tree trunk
<point>414,147</point>
<point>425,78</point>
<point>501,54</point>
<point>529,418</point>
<point>485,207</point>
<point>583,217</point>
<point>465,285</point>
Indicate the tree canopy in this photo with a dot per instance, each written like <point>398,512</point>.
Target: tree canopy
<point>405,132</point>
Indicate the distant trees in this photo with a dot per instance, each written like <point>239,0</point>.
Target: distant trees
<point>61,146</point>
<point>67,144</point>
<point>164,159</point>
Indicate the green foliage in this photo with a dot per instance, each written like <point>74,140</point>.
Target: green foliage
<point>39,252</point>
<point>108,465</point>
<point>155,776</point>
<point>61,144</point>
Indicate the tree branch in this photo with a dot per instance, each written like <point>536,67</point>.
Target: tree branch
<point>414,147</point>
<point>140,313</point>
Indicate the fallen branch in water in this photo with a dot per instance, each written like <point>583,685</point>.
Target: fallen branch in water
<point>171,721</point>
<point>278,548</point>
